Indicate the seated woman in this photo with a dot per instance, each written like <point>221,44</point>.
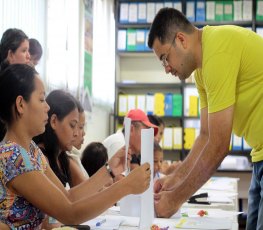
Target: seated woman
<point>60,134</point>
<point>28,186</point>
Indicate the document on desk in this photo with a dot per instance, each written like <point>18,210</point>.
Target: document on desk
<point>147,207</point>
<point>107,222</point>
<point>204,223</point>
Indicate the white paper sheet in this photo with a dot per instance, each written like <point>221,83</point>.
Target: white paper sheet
<point>127,131</point>
<point>147,206</point>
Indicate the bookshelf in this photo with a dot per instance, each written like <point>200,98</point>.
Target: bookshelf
<point>138,72</point>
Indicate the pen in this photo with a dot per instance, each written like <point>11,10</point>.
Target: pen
<point>99,223</point>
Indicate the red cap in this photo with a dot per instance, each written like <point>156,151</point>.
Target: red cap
<point>139,115</point>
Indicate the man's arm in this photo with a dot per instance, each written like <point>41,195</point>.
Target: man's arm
<point>208,152</point>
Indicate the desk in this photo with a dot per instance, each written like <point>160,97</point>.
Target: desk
<point>219,214</point>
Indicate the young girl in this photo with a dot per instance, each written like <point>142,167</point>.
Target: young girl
<point>29,189</point>
<point>158,160</point>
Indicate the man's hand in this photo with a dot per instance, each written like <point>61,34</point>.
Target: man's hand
<point>166,204</point>
<point>167,183</point>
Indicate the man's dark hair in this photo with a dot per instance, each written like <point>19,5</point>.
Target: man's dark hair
<point>166,24</point>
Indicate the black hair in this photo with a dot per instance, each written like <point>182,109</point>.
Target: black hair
<point>35,48</point>
<point>61,103</point>
<point>11,40</point>
<point>16,80</point>
<point>94,156</point>
<point>156,120</point>
<point>166,24</point>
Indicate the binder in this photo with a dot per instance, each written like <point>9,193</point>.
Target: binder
<point>247,10</point>
<point>168,4</point>
<point>146,47</point>
<point>149,104</point>
<point>140,39</point>
<point>210,10</point>
<point>168,138</point>
<point>238,13</point>
<point>131,102</point>
<point>178,5</point>
<point>133,13</point>
<point>141,102</point>
<point>177,105</point>
<point>168,104</point>
<point>159,104</point>
<point>228,10</point>
<point>259,12</point>
<point>123,105</point>
<point>177,138</point>
<point>124,12</point>
<point>121,45</point>
<point>259,31</point>
<point>193,106</point>
<point>190,10</point>
<point>200,11</point>
<point>237,142</point>
<point>142,12</point>
<point>131,39</point>
<point>189,137</point>
<point>158,6</point>
<point>219,11</point>
<point>150,12</point>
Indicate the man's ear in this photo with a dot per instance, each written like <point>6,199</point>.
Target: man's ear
<point>182,39</point>
<point>53,121</point>
<point>20,106</point>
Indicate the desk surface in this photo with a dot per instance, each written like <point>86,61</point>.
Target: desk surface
<point>219,215</point>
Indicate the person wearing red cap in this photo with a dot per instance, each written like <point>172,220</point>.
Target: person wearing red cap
<point>139,120</point>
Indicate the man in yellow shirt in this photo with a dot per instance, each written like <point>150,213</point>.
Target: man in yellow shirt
<point>227,61</point>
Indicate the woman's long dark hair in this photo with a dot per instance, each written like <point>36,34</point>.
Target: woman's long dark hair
<point>61,104</point>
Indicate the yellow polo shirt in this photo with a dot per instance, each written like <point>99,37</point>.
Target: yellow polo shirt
<point>232,74</point>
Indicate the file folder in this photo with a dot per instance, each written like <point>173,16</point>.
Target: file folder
<point>133,13</point>
<point>177,105</point>
<point>150,12</point>
<point>210,11</point>
<point>190,10</point>
<point>247,10</point>
<point>124,12</point>
<point>193,106</point>
<point>177,138</point>
<point>123,105</point>
<point>141,102</point>
<point>159,104</point>
<point>200,11</point>
<point>142,12</point>
<point>237,142</point>
<point>238,12</point>
<point>228,10</point>
<point>178,5</point>
<point>140,39</point>
<point>168,138</point>
<point>149,103</point>
<point>168,104</point>
<point>158,6</point>
<point>131,102</point>
<point>131,39</point>
<point>121,45</point>
<point>189,137</point>
<point>219,11</point>
<point>259,12</point>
